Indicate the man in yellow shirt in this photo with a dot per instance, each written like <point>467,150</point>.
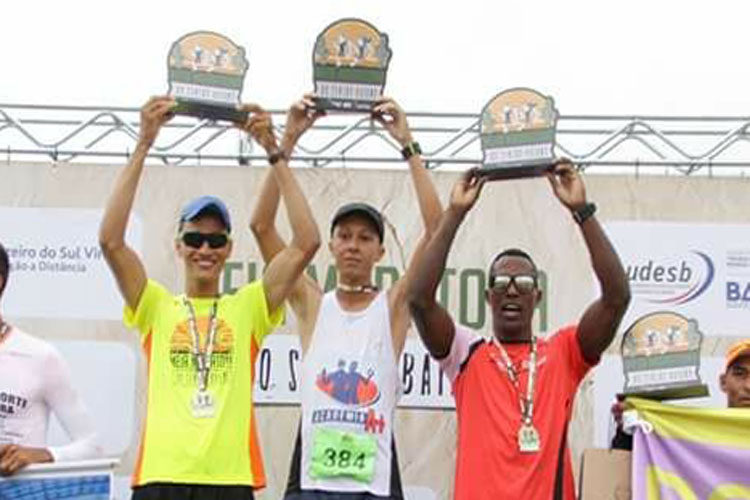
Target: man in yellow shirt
<point>198,439</point>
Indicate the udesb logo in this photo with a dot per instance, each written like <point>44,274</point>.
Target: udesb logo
<point>673,280</point>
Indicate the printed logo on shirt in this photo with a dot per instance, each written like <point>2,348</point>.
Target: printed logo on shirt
<point>11,404</point>
<point>183,361</point>
<point>347,386</point>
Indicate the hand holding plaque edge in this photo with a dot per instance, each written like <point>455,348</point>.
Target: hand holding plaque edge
<point>155,113</point>
<point>567,184</point>
<point>260,127</point>
<point>466,190</point>
<point>301,116</point>
<point>389,114</point>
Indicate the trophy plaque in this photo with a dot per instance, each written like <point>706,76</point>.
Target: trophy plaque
<point>206,72</point>
<point>517,130</point>
<point>350,62</point>
<point>661,357</point>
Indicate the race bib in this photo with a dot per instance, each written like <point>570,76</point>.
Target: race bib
<point>343,454</point>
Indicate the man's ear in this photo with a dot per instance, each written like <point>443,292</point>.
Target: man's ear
<point>723,382</point>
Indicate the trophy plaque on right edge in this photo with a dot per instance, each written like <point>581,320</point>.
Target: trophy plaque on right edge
<point>517,130</point>
<point>661,357</point>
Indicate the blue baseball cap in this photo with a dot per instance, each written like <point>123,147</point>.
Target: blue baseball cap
<point>206,205</point>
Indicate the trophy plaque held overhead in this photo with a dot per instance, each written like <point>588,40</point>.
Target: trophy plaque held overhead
<point>350,62</point>
<point>206,73</point>
<point>517,131</point>
<point>661,357</point>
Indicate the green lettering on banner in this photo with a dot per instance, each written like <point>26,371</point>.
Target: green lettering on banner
<point>331,277</point>
<point>542,306</point>
<point>229,269</point>
<point>465,280</point>
<point>443,291</point>
<point>381,272</point>
<point>229,283</point>
<point>343,454</point>
<point>471,285</point>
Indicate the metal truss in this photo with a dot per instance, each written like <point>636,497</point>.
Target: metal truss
<point>600,143</point>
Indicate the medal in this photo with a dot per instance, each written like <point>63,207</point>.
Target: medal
<point>203,404</point>
<point>529,440</point>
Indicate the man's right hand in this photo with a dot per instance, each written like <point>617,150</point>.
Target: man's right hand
<point>466,190</point>
<point>14,457</point>
<point>301,116</point>
<point>155,113</point>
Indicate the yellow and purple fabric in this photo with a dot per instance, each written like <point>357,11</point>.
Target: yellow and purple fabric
<point>690,453</point>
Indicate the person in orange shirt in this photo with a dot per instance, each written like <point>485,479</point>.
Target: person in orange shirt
<point>514,392</point>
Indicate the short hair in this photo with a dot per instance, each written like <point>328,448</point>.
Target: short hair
<point>509,252</point>
<point>4,267</point>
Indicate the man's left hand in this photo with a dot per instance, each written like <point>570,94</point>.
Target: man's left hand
<point>260,127</point>
<point>568,185</point>
<point>14,457</point>
<point>390,115</point>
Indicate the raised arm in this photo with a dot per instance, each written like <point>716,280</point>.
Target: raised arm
<point>305,295</point>
<point>122,260</point>
<point>388,113</point>
<point>286,266</point>
<point>301,117</point>
<point>433,322</point>
<point>599,323</point>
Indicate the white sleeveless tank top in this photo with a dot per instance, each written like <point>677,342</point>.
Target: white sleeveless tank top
<point>349,388</point>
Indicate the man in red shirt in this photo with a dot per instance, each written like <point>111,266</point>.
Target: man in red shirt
<point>514,393</point>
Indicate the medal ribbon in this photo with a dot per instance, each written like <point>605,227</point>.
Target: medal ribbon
<point>527,403</point>
<point>202,358</point>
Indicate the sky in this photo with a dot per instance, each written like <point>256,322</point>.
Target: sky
<point>593,57</point>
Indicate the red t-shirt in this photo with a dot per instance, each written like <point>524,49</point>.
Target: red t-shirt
<point>489,464</point>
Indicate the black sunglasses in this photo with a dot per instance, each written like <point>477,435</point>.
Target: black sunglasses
<point>524,283</point>
<point>194,239</point>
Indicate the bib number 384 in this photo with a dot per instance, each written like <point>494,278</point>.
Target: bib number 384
<point>343,454</point>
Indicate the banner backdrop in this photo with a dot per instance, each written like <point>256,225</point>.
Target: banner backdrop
<point>691,453</point>
<point>701,271</point>
<point>55,206</point>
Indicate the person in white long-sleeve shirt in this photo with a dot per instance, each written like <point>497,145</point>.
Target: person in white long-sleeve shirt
<point>34,381</point>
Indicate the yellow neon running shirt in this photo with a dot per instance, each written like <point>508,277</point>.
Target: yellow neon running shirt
<point>175,446</point>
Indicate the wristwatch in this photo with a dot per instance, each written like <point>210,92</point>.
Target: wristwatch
<point>584,213</point>
<point>276,156</point>
<point>411,149</point>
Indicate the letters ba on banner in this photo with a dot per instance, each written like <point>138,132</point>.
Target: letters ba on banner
<point>661,357</point>
<point>517,130</point>
<point>350,62</point>
<point>206,72</point>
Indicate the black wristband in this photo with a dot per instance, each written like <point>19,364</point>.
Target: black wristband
<point>276,156</point>
<point>584,213</point>
<point>411,149</point>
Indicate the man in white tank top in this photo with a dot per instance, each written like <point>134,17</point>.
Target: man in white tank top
<point>34,381</point>
<point>351,337</point>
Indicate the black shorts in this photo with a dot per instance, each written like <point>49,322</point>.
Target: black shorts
<point>181,491</point>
